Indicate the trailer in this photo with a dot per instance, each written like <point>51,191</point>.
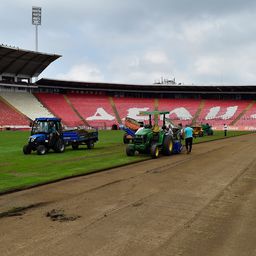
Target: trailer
<point>80,136</point>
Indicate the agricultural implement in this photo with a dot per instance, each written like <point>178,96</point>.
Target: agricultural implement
<point>130,127</point>
<point>153,139</point>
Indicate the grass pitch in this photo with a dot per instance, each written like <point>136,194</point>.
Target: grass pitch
<point>19,171</point>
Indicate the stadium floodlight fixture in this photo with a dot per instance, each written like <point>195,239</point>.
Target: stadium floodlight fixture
<point>36,20</point>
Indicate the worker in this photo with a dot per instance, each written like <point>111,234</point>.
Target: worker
<point>188,134</point>
<point>53,134</point>
<point>225,128</point>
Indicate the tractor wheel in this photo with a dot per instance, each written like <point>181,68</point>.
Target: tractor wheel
<point>90,144</point>
<point>26,150</point>
<point>130,151</point>
<point>59,146</point>
<point>125,140</point>
<point>75,146</point>
<point>168,145</point>
<point>41,150</point>
<point>154,151</point>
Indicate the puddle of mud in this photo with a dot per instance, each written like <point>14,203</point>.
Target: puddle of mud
<point>59,215</point>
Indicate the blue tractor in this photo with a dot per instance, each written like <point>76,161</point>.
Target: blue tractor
<point>46,134</point>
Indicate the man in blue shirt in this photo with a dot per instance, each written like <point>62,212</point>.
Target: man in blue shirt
<point>188,133</point>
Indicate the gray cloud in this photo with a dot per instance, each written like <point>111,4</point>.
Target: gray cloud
<point>201,41</point>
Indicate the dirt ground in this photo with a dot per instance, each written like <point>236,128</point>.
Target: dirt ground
<point>203,203</point>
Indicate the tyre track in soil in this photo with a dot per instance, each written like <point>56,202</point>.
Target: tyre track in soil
<point>136,209</point>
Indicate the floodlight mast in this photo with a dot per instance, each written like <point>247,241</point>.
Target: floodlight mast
<point>36,20</point>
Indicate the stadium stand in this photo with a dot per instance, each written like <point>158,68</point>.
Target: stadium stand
<point>95,109</point>
<point>10,118</point>
<point>104,104</point>
<point>181,110</point>
<point>57,104</point>
<point>218,112</point>
<point>26,103</point>
<point>248,120</point>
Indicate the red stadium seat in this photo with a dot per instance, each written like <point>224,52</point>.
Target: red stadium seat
<point>10,117</point>
<point>57,104</point>
<point>95,109</point>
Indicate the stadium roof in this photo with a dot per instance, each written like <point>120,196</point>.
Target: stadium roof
<point>95,86</point>
<point>23,63</point>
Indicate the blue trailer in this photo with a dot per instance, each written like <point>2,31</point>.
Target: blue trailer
<point>48,134</point>
<point>77,137</point>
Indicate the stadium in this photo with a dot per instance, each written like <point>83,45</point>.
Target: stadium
<point>201,204</point>
<point>104,105</point>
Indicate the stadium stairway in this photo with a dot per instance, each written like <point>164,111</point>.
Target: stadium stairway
<point>60,107</point>
<point>75,110</point>
<point>132,106</point>
<point>198,112</point>
<point>95,109</point>
<point>181,110</point>
<point>248,119</point>
<point>113,105</point>
<point>242,113</point>
<point>218,112</point>
<point>26,103</point>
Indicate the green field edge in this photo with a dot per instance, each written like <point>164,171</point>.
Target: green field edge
<point>27,187</point>
<point>22,188</point>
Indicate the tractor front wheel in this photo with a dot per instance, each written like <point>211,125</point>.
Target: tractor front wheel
<point>41,150</point>
<point>130,151</point>
<point>26,150</point>
<point>154,151</point>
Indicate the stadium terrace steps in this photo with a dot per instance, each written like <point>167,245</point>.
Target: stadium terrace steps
<point>10,117</point>
<point>242,113</point>
<point>112,103</point>
<point>26,103</point>
<point>103,111</point>
<point>132,106</point>
<point>249,118</point>
<point>198,112</point>
<point>74,109</point>
<point>218,112</point>
<point>181,110</point>
<point>57,104</point>
<point>95,109</point>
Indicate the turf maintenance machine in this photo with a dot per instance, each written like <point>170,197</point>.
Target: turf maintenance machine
<point>130,127</point>
<point>48,134</point>
<point>153,139</point>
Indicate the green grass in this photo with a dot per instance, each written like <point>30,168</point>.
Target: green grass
<point>219,135</point>
<point>18,171</point>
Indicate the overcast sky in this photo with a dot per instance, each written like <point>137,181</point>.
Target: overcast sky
<point>139,41</point>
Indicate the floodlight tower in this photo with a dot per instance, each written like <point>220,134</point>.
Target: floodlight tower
<point>36,20</point>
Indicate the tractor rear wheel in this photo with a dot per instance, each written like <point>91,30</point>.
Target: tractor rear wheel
<point>41,150</point>
<point>154,151</point>
<point>26,150</point>
<point>75,146</point>
<point>59,146</point>
<point>90,144</point>
<point>168,145</point>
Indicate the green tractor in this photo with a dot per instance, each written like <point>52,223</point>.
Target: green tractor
<point>152,139</point>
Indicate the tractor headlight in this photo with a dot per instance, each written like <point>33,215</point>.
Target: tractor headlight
<point>31,139</point>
